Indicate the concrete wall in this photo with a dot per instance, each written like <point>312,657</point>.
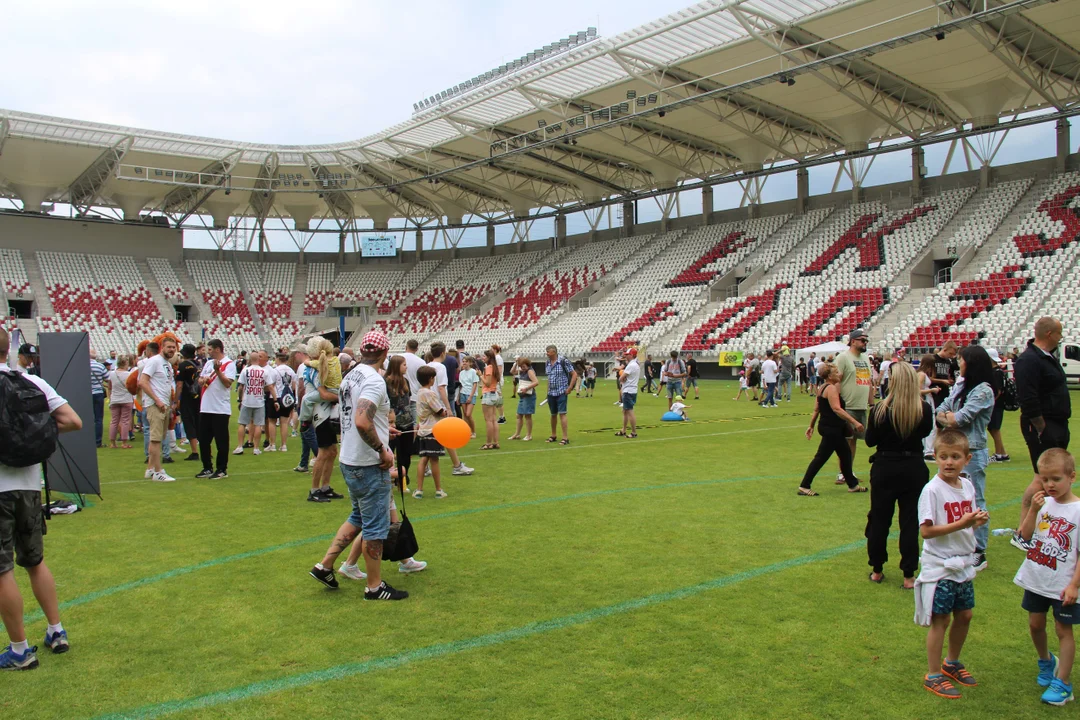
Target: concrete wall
<point>99,237</point>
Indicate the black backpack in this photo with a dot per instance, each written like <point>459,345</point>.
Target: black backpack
<point>28,434</point>
<point>1009,398</point>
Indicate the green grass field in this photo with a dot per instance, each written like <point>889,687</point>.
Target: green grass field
<point>672,576</point>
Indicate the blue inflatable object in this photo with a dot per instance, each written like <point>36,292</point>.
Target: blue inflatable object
<point>671,416</point>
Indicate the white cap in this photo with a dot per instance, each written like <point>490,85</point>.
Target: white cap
<point>993,353</point>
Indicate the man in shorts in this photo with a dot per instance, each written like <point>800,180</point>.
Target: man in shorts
<point>366,459</point>
<point>628,380</point>
<point>856,385</point>
<point>562,378</point>
<point>675,372</point>
<point>692,376</point>
<point>157,383</point>
<point>21,530</point>
<point>252,382</point>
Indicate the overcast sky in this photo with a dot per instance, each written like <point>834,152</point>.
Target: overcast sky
<point>274,71</point>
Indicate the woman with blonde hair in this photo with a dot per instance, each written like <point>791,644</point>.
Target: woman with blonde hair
<point>319,423</point>
<point>897,426</point>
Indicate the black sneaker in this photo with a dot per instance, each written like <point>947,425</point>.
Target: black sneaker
<point>205,474</point>
<point>219,475</point>
<point>248,445</point>
<point>300,468</point>
<point>167,460</point>
<point>329,492</point>
<point>192,457</point>
<point>266,444</point>
<point>502,420</point>
<point>980,562</point>
<point>316,496</point>
<point>326,577</point>
<point>383,592</point>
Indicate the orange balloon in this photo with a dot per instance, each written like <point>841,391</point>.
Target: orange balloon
<point>452,432</point>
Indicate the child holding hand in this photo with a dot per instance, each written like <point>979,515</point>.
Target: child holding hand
<point>1050,575</point>
<point>944,590</point>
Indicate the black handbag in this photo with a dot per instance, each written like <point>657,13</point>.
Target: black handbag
<point>400,543</point>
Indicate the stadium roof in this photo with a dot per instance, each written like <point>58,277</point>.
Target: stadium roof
<point>718,89</point>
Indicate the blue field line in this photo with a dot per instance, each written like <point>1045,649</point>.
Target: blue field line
<point>439,650</point>
<point>177,572</point>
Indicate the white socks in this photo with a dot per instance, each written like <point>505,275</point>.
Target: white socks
<point>20,647</point>
<point>57,628</point>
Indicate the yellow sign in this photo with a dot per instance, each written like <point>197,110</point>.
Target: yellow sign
<point>731,359</point>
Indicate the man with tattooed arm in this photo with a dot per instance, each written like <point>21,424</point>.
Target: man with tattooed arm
<point>365,462</point>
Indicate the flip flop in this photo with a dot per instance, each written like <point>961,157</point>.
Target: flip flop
<point>870,577</point>
<point>564,442</point>
<point>620,433</point>
<point>859,489</point>
<point>807,492</point>
<point>551,439</point>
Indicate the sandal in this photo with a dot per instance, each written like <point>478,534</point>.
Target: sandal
<point>621,433</point>
<point>859,489</point>
<point>870,577</point>
<point>551,439</point>
<point>807,492</point>
<point>514,437</point>
<point>905,587</point>
<point>494,447</point>
<point>631,435</point>
<point>485,446</point>
<point>527,438</point>
<point>564,441</point>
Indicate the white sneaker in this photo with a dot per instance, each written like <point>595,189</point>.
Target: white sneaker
<point>148,474</point>
<point>440,493</point>
<point>411,566</point>
<point>271,448</point>
<point>176,449</point>
<point>616,403</point>
<point>162,477</point>
<point>352,571</point>
<point>256,451</point>
<point>284,448</point>
<point>427,471</point>
<point>238,451</point>
<point>463,469</point>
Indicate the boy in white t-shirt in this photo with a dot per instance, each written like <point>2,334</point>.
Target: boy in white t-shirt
<point>680,407</point>
<point>1050,575</point>
<point>944,590</point>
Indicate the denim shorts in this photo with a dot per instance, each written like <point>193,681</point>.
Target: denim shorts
<point>526,404</point>
<point>951,595</point>
<point>369,490</point>
<point>691,382</point>
<point>674,387</point>
<point>557,404</point>
<point>1064,614</point>
<point>629,400</point>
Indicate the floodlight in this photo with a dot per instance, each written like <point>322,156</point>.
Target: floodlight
<point>631,94</point>
<point>591,32</point>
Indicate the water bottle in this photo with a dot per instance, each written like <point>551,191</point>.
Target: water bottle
<point>1002,531</point>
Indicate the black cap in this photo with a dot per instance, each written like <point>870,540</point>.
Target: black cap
<point>856,334</point>
<point>28,349</point>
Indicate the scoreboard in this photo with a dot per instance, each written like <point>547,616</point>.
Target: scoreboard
<point>378,246</point>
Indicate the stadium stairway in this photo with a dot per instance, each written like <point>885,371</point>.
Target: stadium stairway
<point>151,284</point>
<point>969,268</point>
<point>256,319</point>
<point>296,310</point>
<point>37,284</point>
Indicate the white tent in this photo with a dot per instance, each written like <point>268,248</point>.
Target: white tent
<point>829,348</point>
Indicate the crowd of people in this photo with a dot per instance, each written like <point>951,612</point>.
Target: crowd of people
<point>942,412</point>
<point>370,412</point>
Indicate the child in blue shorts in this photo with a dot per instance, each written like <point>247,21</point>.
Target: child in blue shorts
<point>944,590</point>
<point>1050,574</point>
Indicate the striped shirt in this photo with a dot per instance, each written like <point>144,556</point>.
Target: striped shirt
<point>97,378</point>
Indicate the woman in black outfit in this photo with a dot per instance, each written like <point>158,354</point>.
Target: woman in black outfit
<point>397,387</point>
<point>898,472</point>
<point>835,428</point>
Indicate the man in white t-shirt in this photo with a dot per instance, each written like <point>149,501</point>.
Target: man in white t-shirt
<point>157,384</point>
<point>438,352</point>
<point>21,529</point>
<point>628,387</point>
<point>413,362</point>
<point>770,372</point>
<point>365,461</point>
<point>218,375</point>
<point>252,382</point>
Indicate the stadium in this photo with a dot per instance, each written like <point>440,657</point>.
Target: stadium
<point>736,177</point>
